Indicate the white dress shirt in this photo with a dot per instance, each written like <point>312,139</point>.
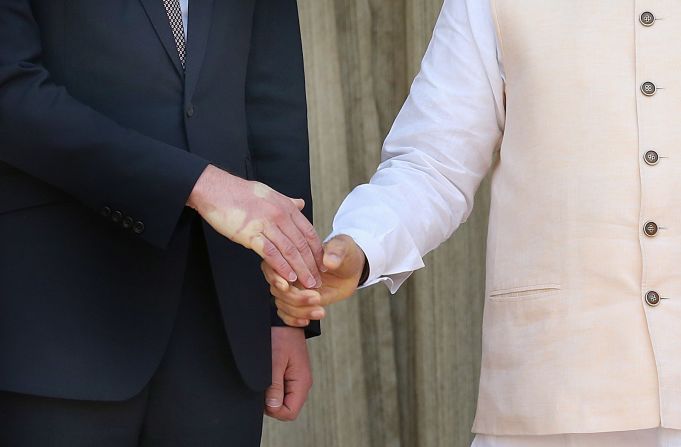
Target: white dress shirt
<point>438,151</point>
<point>184,5</point>
<point>440,148</point>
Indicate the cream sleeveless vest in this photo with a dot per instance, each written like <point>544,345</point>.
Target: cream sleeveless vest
<point>582,324</point>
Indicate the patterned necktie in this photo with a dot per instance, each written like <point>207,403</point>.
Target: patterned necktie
<point>175,17</point>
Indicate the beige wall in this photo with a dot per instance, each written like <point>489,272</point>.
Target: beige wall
<point>389,371</point>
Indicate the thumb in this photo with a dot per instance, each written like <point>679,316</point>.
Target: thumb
<point>341,256</point>
<point>274,396</point>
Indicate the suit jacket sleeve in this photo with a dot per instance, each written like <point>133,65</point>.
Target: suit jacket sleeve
<point>49,135</point>
<point>277,107</point>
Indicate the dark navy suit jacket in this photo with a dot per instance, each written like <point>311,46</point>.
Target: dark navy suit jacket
<point>102,137</point>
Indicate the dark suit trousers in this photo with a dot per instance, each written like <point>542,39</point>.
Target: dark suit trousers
<point>195,398</point>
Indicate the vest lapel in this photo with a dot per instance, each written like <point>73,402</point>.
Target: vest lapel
<point>200,15</point>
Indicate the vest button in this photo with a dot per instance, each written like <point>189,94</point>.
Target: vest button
<point>647,19</point>
<point>653,298</point>
<point>651,158</point>
<point>650,229</point>
<point>648,88</point>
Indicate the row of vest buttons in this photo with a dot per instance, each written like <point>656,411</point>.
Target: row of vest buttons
<point>649,89</point>
<point>651,158</point>
<point>126,222</point>
<point>647,19</point>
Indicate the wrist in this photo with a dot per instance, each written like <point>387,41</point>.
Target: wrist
<point>210,180</point>
<point>197,196</point>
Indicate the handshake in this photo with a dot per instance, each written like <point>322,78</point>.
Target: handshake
<point>304,277</point>
<point>342,267</point>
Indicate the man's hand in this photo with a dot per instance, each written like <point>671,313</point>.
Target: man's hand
<point>344,262</point>
<point>291,375</point>
<point>263,220</point>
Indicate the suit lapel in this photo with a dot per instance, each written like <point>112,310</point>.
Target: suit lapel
<point>200,15</point>
<point>159,19</point>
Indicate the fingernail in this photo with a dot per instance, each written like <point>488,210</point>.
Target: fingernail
<point>317,314</point>
<point>334,258</point>
<point>282,285</point>
<point>318,284</point>
<point>273,403</point>
<point>311,282</point>
<point>323,269</point>
<point>292,277</point>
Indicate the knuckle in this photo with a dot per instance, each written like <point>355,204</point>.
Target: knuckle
<point>308,230</point>
<point>311,234</point>
<point>290,250</point>
<point>282,265</point>
<point>300,243</point>
<point>307,380</point>
<point>290,311</point>
<point>270,250</point>
<point>278,214</point>
<point>294,300</point>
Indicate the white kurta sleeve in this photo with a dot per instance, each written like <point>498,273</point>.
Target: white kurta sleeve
<point>438,151</point>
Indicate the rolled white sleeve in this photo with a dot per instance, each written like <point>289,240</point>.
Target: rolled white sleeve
<point>440,148</point>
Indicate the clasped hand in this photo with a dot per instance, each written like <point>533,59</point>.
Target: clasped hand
<point>303,276</point>
<point>263,220</point>
<point>343,263</point>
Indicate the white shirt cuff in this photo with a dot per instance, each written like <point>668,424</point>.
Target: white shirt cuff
<point>376,258</point>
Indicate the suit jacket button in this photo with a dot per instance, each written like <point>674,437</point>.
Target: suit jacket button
<point>105,212</point>
<point>117,216</point>
<point>127,222</point>
<point>190,110</point>
<point>138,227</point>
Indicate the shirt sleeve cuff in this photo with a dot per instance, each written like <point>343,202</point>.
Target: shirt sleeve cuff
<point>376,258</point>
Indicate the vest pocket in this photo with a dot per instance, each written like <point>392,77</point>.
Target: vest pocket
<point>524,293</point>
